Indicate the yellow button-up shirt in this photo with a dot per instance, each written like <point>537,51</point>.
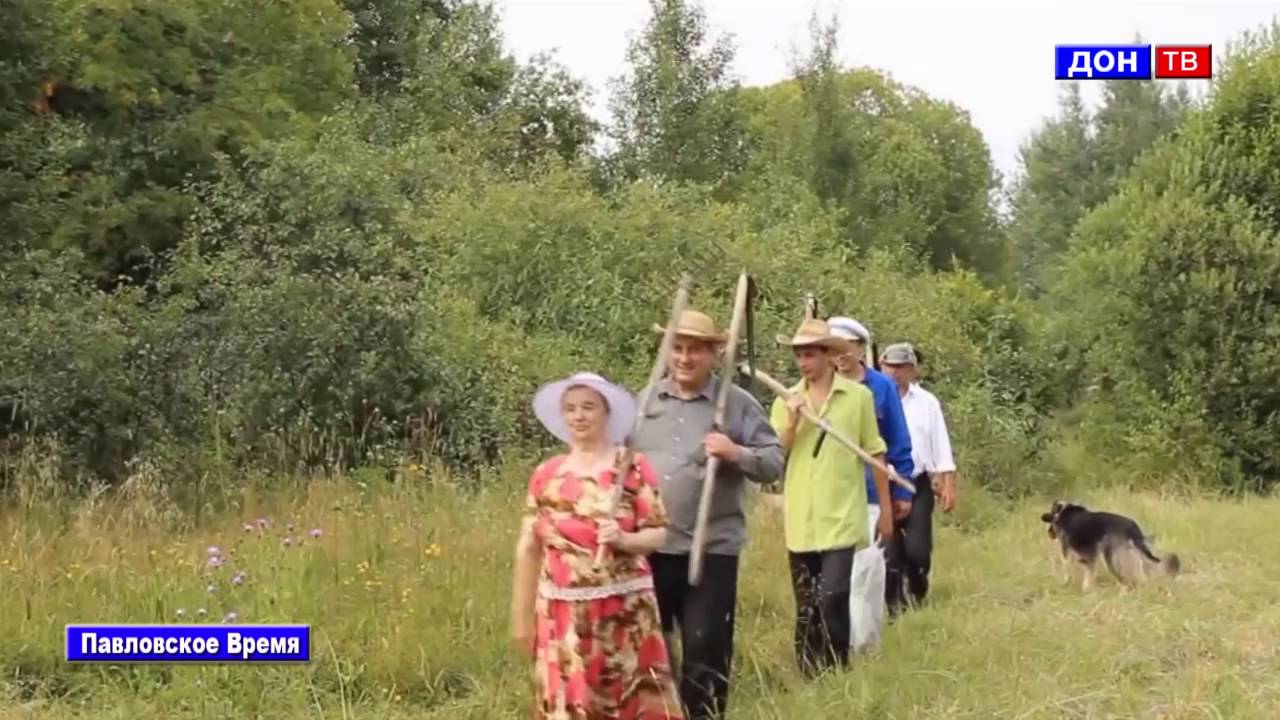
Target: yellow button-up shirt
<point>825,497</point>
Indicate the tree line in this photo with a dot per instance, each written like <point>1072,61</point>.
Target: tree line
<point>333,233</point>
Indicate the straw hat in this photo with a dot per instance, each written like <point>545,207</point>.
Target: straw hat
<point>696,325</point>
<point>622,406</point>
<point>816,332</point>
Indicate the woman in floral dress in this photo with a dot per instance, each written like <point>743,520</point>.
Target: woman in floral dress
<point>593,632</point>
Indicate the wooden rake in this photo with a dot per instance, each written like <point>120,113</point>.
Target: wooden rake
<point>625,458</point>
<point>741,298</point>
<point>779,389</point>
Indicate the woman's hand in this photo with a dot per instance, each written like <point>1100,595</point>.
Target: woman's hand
<point>641,542</point>
<point>525,589</point>
<point>522,641</point>
<point>608,533</point>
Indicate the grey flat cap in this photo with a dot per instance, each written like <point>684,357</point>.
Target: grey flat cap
<point>899,354</point>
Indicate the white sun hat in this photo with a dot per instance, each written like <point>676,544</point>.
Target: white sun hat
<point>622,406</point>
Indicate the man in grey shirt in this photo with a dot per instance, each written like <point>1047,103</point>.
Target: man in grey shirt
<point>678,437</point>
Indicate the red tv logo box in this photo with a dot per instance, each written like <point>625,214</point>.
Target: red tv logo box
<point>1184,61</point>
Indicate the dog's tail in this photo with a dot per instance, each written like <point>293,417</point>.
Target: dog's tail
<point>1168,565</point>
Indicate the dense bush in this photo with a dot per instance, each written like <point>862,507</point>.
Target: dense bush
<point>355,272</point>
<point>1170,299</point>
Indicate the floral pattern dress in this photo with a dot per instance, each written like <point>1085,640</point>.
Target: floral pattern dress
<point>597,658</point>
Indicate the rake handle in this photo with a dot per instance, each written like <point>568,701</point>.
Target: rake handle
<point>839,437</point>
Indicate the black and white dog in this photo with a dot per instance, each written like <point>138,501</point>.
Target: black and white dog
<point>1084,535</point>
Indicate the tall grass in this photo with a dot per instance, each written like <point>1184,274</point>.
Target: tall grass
<point>406,585</point>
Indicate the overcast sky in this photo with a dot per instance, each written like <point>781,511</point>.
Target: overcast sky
<point>995,59</point>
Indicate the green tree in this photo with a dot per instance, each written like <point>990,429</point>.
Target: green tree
<point>1079,159</point>
<point>1168,294</point>
<point>1054,189</point>
<point>33,142</point>
<point>544,115</point>
<point>834,173</point>
<point>901,168</point>
<point>158,91</point>
<point>392,37</point>
<point>677,114</point>
<point>438,66</point>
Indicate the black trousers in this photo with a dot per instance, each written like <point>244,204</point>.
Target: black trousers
<point>821,582</point>
<point>909,555</point>
<point>705,615</point>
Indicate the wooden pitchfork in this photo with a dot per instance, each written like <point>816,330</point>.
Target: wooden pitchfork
<point>722,399</point>
<point>625,459</point>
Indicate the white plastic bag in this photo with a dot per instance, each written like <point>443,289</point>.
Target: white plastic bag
<point>866,598</point>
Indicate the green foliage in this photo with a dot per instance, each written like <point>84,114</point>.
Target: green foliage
<point>677,116</point>
<point>356,230</point>
<point>1170,294</point>
<point>392,37</point>
<point>544,116</point>
<point>64,359</point>
<point>439,67</point>
<point>902,169</point>
<point>1053,190</point>
<point>33,147</point>
<point>1077,161</point>
<point>23,30</point>
<point>158,90</point>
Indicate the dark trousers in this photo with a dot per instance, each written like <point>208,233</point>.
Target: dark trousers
<point>705,615</point>
<point>821,582</point>
<point>909,555</point>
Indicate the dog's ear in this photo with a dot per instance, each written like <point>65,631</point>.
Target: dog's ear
<point>1046,517</point>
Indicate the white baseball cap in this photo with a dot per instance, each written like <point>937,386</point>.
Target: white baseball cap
<point>849,329</point>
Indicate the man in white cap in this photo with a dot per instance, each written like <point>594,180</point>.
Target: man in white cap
<point>935,467</point>
<point>678,438</point>
<point>892,424</point>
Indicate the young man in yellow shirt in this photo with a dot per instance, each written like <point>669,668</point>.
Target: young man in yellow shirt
<point>825,493</point>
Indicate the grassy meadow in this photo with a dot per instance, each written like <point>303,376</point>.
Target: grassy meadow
<point>407,588</point>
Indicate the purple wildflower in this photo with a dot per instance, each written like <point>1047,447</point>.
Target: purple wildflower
<point>316,532</point>
<point>287,542</point>
<point>181,612</point>
<point>216,561</point>
<point>289,527</point>
<point>248,527</point>
<point>239,577</point>
<point>230,617</point>
<point>201,612</point>
<point>264,523</point>
<point>213,588</point>
<point>214,550</point>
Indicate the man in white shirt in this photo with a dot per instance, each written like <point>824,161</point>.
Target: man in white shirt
<point>931,458</point>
